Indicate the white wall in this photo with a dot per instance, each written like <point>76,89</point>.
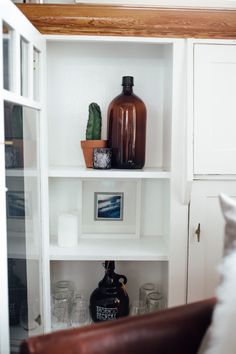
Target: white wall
<point>171,3</point>
<point>178,3</point>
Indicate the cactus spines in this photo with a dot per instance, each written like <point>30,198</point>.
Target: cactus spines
<point>94,125</point>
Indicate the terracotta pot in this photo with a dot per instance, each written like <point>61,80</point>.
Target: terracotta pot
<point>88,146</point>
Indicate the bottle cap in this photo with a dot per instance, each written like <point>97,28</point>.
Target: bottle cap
<point>127,81</point>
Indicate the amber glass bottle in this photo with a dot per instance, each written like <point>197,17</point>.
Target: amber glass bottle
<point>127,128</point>
<point>110,300</point>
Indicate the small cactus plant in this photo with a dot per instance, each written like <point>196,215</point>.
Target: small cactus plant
<point>93,134</point>
<point>94,125</point>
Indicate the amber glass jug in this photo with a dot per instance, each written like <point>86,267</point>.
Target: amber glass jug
<point>127,128</point>
<point>110,300</point>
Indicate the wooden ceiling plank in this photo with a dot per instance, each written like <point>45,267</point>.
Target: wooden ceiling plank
<point>115,20</point>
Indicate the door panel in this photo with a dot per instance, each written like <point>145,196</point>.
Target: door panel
<point>214,109</point>
<point>20,179</point>
<point>205,255</point>
<point>23,222</point>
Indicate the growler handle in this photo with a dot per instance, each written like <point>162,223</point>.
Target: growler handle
<point>122,278</point>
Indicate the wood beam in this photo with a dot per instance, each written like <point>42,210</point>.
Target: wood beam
<point>123,20</point>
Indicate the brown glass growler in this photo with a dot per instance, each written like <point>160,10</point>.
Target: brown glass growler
<point>110,300</point>
<point>127,128</point>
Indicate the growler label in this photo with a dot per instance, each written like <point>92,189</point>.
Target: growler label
<point>106,313</point>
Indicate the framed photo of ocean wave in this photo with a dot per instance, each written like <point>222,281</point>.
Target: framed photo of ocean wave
<point>108,206</point>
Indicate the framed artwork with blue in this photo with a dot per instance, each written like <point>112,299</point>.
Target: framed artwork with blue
<point>18,205</point>
<point>108,206</point>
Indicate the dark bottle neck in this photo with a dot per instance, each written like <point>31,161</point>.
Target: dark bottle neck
<point>109,267</point>
<point>127,90</point>
<point>109,278</point>
<point>109,271</point>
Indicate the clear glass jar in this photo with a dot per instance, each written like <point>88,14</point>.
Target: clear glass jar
<point>146,289</point>
<point>138,308</point>
<point>80,311</point>
<point>65,286</point>
<point>62,300</point>
<point>60,310</point>
<point>155,301</point>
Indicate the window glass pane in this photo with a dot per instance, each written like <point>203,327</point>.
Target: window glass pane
<point>7,56</point>
<point>36,74</point>
<point>24,54</point>
<point>23,222</point>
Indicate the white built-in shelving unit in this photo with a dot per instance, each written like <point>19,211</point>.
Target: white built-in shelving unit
<point>150,243</point>
<point>145,245</point>
<point>56,78</point>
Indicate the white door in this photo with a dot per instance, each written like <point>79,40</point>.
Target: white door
<point>206,249</point>
<point>21,51</point>
<point>214,109</point>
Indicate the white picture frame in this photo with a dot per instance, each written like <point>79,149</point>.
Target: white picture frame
<point>127,226</point>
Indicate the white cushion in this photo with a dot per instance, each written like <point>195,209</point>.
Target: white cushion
<point>223,327</point>
<point>205,343</point>
<point>228,206</point>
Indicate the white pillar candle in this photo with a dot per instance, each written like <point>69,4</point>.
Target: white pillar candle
<point>68,230</point>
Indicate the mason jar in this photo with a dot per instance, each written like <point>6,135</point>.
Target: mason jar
<point>155,301</point>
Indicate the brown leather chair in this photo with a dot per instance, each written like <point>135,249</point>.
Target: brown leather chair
<point>177,330</point>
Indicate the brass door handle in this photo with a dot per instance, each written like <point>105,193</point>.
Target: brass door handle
<point>198,232</point>
<point>7,142</point>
